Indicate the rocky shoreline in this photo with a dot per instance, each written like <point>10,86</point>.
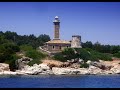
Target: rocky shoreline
<point>95,68</point>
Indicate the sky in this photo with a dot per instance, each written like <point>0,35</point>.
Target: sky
<point>93,21</point>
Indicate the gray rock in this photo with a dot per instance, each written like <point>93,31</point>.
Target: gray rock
<point>100,65</point>
<point>20,63</point>
<point>69,71</point>
<point>35,70</point>
<point>116,69</point>
<point>94,70</point>
<point>89,62</point>
<point>83,71</point>
<point>4,67</point>
<point>64,71</point>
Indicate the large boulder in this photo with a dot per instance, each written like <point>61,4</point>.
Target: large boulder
<point>31,70</point>
<point>75,65</point>
<point>69,71</point>
<point>9,73</point>
<point>44,66</point>
<point>20,63</point>
<point>53,63</point>
<point>4,67</point>
<point>94,70</point>
<point>81,61</point>
<point>100,65</point>
<point>21,72</point>
<point>64,71</point>
<point>5,70</point>
<point>116,69</point>
<point>89,62</point>
<point>105,72</point>
<point>83,71</point>
<point>35,69</point>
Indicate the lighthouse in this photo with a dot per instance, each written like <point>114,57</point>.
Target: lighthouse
<point>57,45</point>
<point>56,23</point>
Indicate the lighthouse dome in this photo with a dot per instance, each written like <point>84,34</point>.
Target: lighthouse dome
<point>56,16</point>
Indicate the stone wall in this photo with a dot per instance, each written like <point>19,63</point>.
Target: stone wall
<point>57,47</point>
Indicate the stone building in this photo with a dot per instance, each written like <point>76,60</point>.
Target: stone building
<point>56,45</point>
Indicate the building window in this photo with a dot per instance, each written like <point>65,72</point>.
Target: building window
<point>60,47</point>
<point>53,47</point>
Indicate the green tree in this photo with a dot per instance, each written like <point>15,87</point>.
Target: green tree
<point>43,38</point>
<point>88,44</point>
<point>117,54</point>
<point>114,49</point>
<point>10,35</point>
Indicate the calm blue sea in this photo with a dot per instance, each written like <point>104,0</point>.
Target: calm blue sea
<point>48,81</point>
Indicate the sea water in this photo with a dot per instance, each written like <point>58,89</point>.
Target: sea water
<point>60,81</point>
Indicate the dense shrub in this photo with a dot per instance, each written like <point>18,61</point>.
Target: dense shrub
<point>35,54</point>
<point>84,65</point>
<point>97,55</point>
<point>34,61</point>
<point>69,53</point>
<point>32,53</point>
<point>105,57</point>
<point>60,57</point>
<point>83,53</point>
<point>66,54</point>
<point>117,55</point>
<point>12,62</point>
<point>26,47</point>
<point>8,53</point>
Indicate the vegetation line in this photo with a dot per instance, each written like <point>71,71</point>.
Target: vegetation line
<point>12,45</point>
